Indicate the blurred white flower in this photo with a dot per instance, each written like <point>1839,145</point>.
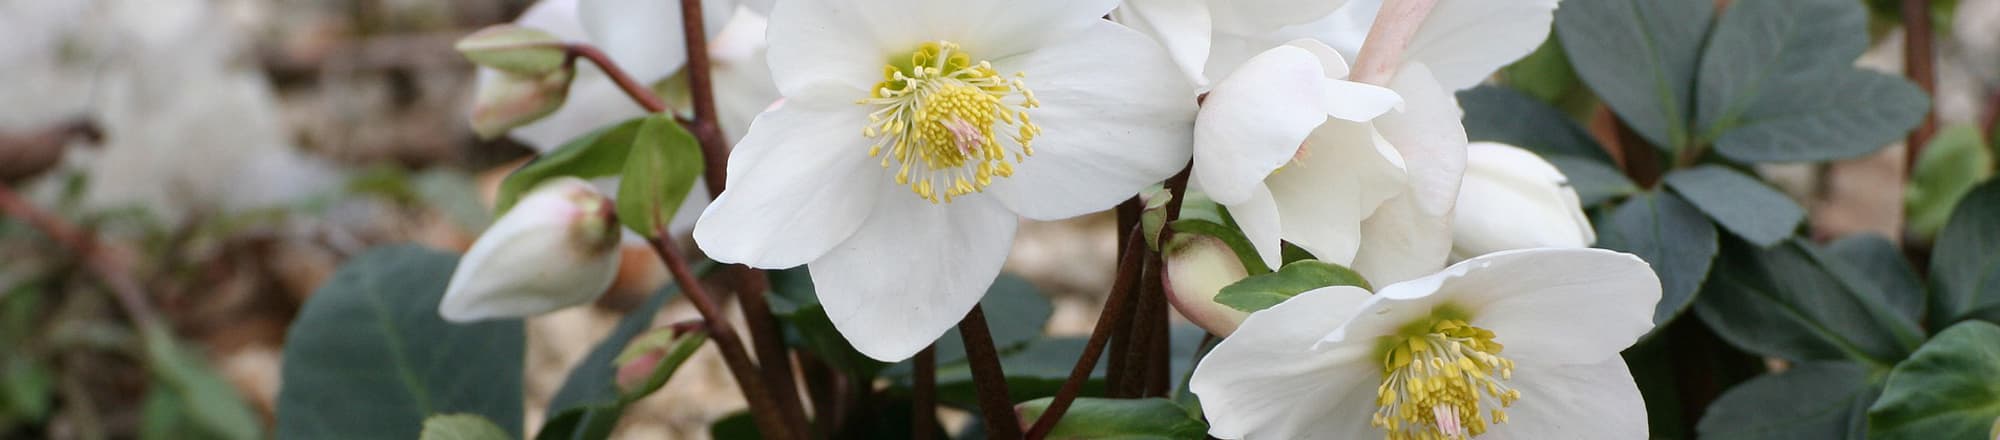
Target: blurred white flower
<point>556,248</point>
<point>1477,349</point>
<point>913,134</point>
<point>1512,199</point>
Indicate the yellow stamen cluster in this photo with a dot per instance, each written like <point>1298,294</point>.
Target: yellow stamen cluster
<point>1440,379</point>
<point>938,119</point>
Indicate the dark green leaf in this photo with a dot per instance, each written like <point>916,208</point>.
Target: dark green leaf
<point>1951,164</point>
<point>1016,312</point>
<point>1640,57</point>
<point>209,402</point>
<point>1810,401</point>
<point>1947,390</point>
<point>808,328</point>
<point>599,153</point>
<point>1099,418</point>
<point>1259,292</point>
<point>1594,182</point>
<point>461,427</point>
<point>1765,79</point>
<point>1741,204</point>
<point>1671,235</point>
<point>369,357</point>
<point>588,404</point>
<point>1546,75</point>
<point>662,168</point>
<point>1783,302</point>
<point>1034,370</point>
<point>1874,261</point>
<point>1965,266</point>
<point>1500,114</point>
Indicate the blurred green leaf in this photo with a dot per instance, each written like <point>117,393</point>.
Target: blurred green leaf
<point>1783,302</point>
<point>211,405</point>
<point>1500,114</point>
<point>514,49</point>
<point>1671,235</point>
<point>1595,182</point>
<point>1947,390</point>
<point>589,404</point>
<point>1230,236</point>
<point>1546,75</point>
<point>461,427</point>
<point>1810,401</point>
<point>1876,262</point>
<point>1741,204</point>
<point>596,154</point>
<point>1100,418</point>
<point>665,349</point>
<point>1951,164</point>
<point>1259,292</point>
<point>1765,79</point>
<point>369,357</point>
<point>662,168</point>
<point>1965,266</point>
<point>1640,56</point>
<point>26,387</point>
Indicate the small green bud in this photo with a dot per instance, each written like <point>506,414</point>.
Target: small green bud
<point>511,100</point>
<point>652,357</point>
<point>515,49</point>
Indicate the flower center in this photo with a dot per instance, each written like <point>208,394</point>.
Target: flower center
<point>941,121</point>
<point>1439,378</point>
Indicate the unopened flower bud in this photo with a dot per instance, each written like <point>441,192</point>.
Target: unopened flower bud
<point>515,49</point>
<point>1198,267</point>
<point>555,248</point>
<point>652,357</point>
<point>1512,199</point>
<point>509,100</point>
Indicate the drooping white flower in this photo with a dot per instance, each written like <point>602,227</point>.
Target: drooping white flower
<point>1518,344</point>
<point>556,248</point>
<point>1512,199</point>
<point>914,133</point>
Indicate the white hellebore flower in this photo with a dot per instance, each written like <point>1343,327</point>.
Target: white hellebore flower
<point>1512,345</point>
<point>556,248</point>
<point>1512,199</point>
<point>914,133</point>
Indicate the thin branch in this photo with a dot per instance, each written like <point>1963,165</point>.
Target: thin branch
<point>774,361</point>
<point>923,394</point>
<point>989,380</point>
<point>1920,63</point>
<point>1107,321</point>
<point>763,404</point>
<point>701,87</point>
<point>100,258</point>
<point>638,92</point>
<point>1394,27</point>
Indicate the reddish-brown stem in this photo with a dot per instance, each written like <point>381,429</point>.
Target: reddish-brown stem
<point>715,153</point>
<point>638,92</point>
<point>1148,314</point>
<point>989,380</point>
<point>98,257</point>
<point>923,394</point>
<point>1113,317</point>
<point>764,408</point>
<point>768,340</point>
<point>1920,63</point>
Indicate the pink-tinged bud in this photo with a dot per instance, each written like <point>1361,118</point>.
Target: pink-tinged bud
<point>1198,267</point>
<point>556,248</point>
<point>650,359</point>
<point>515,49</point>
<point>1512,199</point>
<point>508,100</point>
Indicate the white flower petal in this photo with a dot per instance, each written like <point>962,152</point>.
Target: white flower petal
<point>1463,42</point>
<point>1270,15</point>
<point>528,263</point>
<point>1416,234</point>
<point>799,183</point>
<point>913,271</point>
<point>1605,300</point>
<point>743,85</point>
<point>1266,380</point>
<point>1342,178</point>
<point>1108,129</point>
<point>557,17</point>
<point>1260,220</point>
<point>1255,120</point>
<point>644,36</point>
<point>1512,199</point>
<point>996,29</point>
<point>1181,25</point>
<point>1574,402</point>
<point>836,43</point>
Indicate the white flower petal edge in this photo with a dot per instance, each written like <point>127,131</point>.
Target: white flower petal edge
<point>800,183</point>
<point>816,43</point>
<point>1266,381</point>
<point>645,36</point>
<point>1575,402</point>
<point>1182,26</point>
<point>1410,235</point>
<point>1107,132</point>
<point>1512,199</point>
<point>1464,42</point>
<point>913,271</point>
<point>1255,120</point>
<point>534,260</point>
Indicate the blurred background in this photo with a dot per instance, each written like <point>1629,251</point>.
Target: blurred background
<point>228,155</point>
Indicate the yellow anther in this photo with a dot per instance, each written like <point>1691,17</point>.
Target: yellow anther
<point>946,115</point>
<point>1439,380</point>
